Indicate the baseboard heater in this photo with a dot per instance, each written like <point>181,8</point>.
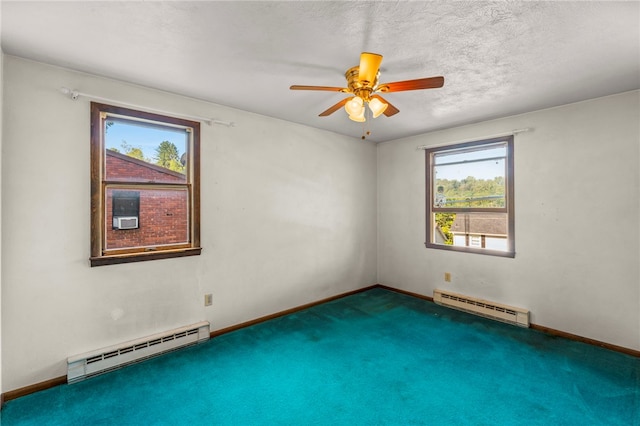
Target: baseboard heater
<point>484,308</point>
<point>89,364</point>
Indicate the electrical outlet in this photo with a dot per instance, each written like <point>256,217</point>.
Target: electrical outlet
<point>208,299</point>
<point>447,277</point>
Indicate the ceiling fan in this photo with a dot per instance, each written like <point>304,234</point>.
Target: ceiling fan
<point>362,82</point>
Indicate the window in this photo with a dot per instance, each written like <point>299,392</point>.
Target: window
<point>125,209</point>
<point>470,197</point>
<point>145,186</point>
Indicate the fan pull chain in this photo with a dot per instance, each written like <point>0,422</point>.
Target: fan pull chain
<point>365,125</point>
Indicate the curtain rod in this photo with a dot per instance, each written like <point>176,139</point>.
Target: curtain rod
<point>74,95</point>
<point>513,132</point>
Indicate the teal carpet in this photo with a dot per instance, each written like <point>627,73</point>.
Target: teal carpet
<point>373,358</point>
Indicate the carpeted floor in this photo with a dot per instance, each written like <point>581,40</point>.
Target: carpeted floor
<point>373,358</point>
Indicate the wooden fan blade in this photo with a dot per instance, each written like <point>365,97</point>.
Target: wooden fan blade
<point>325,88</point>
<point>421,83</point>
<point>391,110</point>
<point>369,66</point>
<point>334,108</point>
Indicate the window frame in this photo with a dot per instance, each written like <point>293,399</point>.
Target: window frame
<point>509,201</point>
<point>99,186</point>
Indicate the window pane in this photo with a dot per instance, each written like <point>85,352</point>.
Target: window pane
<point>163,218</point>
<point>125,203</point>
<point>470,178</point>
<point>138,151</point>
<point>480,230</point>
<point>469,154</point>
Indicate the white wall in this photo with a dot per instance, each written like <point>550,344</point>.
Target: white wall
<point>577,195</point>
<point>288,217</point>
<point>1,114</point>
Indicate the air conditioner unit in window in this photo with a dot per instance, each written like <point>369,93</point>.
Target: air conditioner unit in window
<point>125,222</point>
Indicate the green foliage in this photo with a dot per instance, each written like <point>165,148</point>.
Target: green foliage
<point>472,192</point>
<point>444,222</point>
<point>136,153</point>
<point>167,156</point>
<point>131,151</point>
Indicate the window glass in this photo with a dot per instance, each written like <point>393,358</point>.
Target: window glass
<point>473,178</point>
<point>163,220</point>
<point>125,203</point>
<point>139,151</point>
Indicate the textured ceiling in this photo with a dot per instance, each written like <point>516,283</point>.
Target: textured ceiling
<point>498,58</point>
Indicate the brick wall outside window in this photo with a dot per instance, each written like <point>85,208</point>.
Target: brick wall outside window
<point>163,216</point>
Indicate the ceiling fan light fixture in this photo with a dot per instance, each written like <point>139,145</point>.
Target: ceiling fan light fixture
<point>362,86</point>
<point>358,117</point>
<point>355,106</point>
<point>377,107</point>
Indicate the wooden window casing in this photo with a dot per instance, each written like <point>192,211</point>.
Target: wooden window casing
<point>432,207</point>
<point>101,186</point>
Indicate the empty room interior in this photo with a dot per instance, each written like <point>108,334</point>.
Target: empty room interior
<point>289,197</point>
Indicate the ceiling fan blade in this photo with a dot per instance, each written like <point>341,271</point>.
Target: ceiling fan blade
<point>334,108</point>
<point>391,110</point>
<point>369,66</point>
<point>325,88</point>
<point>421,83</point>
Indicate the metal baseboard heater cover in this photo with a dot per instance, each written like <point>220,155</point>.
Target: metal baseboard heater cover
<point>89,364</point>
<point>484,308</point>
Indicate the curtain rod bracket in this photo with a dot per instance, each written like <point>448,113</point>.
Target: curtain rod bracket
<point>73,94</point>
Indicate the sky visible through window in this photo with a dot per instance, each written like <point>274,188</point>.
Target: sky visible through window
<point>146,138</point>
<point>489,169</point>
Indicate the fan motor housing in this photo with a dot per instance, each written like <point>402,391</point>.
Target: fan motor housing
<point>361,88</point>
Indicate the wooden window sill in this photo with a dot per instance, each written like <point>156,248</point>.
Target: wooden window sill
<point>141,257</point>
